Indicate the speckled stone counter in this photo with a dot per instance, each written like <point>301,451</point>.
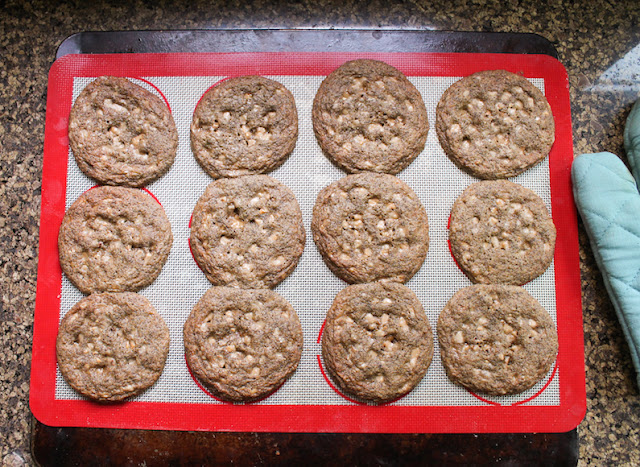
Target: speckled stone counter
<point>598,42</point>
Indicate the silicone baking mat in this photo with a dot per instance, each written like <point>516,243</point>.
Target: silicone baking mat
<point>308,402</point>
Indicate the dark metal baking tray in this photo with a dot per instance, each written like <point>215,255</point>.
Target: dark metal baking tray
<point>303,40</point>
<point>84,446</point>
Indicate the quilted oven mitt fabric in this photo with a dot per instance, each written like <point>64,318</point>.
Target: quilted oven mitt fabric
<point>608,200</point>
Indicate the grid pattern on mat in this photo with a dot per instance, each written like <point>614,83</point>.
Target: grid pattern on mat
<point>311,287</point>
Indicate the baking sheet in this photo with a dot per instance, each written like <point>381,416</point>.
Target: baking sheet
<point>308,402</point>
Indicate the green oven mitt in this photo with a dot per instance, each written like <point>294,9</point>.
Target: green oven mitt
<point>608,200</point>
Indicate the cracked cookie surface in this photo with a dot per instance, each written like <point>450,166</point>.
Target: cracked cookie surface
<point>494,124</point>
<point>367,116</point>
<point>114,239</point>
<point>121,134</point>
<point>377,343</point>
<point>370,227</point>
<point>111,346</point>
<point>501,233</point>
<point>242,344</point>
<point>244,125</point>
<point>247,232</point>
<point>496,339</point>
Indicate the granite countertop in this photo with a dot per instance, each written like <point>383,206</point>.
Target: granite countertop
<point>598,42</point>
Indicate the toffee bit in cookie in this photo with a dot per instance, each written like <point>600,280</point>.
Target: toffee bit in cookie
<point>367,116</point>
<point>494,124</point>
<point>242,344</point>
<point>247,232</point>
<point>112,346</point>
<point>377,343</point>
<point>244,125</point>
<point>370,227</point>
<point>121,134</point>
<point>501,233</point>
<point>496,339</point>
<point>114,239</point>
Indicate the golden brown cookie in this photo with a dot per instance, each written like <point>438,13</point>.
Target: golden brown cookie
<point>494,124</point>
<point>247,232</point>
<point>244,125</point>
<point>242,344</point>
<point>114,239</point>
<point>367,116</point>
<point>111,346</point>
<point>121,134</point>
<point>370,227</point>
<point>377,343</point>
<point>496,339</point>
<point>501,233</point>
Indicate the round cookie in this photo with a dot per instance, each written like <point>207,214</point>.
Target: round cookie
<point>370,227</point>
<point>244,125</point>
<point>121,134</point>
<point>377,343</point>
<point>242,344</point>
<point>367,116</point>
<point>501,233</point>
<point>114,239</point>
<point>111,346</point>
<point>247,232</point>
<point>496,339</point>
<point>494,124</point>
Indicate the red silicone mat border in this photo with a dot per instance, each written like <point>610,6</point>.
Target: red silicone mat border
<point>306,418</point>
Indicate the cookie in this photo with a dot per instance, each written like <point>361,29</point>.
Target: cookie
<point>247,232</point>
<point>242,344</point>
<point>367,116</point>
<point>377,343</point>
<point>112,346</point>
<point>494,124</point>
<point>496,339</point>
<point>370,227</point>
<point>114,239</point>
<point>244,125</point>
<point>501,233</point>
<point>121,134</point>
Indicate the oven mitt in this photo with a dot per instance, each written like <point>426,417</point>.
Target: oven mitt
<point>608,200</point>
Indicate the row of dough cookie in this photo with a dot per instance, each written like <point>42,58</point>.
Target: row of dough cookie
<point>372,231</point>
<point>367,116</point>
<point>377,343</point>
<point>241,344</point>
<point>243,341</point>
<point>122,134</point>
<point>497,339</point>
